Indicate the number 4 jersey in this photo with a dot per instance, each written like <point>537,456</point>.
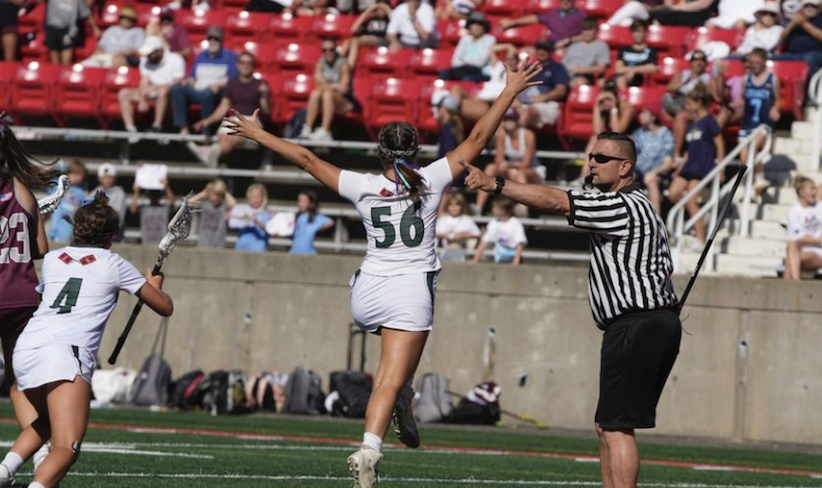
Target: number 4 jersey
<point>401,233</point>
<point>80,286</point>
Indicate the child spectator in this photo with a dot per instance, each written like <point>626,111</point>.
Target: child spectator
<point>215,204</point>
<point>505,232</point>
<point>413,24</point>
<point>587,57</point>
<point>804,230</point>
<point>564,22</point>
<point>332,95</point>
<point>455,228</point>
<point>705,147</point>
<point>635,61</point>
<point>154,216</point>
<point>62,220</point>
<point>473,53</point>
<point>370,30</point>
<point>457,9</point>
<point>249,220</point>
<point>655,151</point>
<point>63,28</point>
<point>674,101</point>
<point>107,177</point>
<point>308,223</point>
<point>765,32</point>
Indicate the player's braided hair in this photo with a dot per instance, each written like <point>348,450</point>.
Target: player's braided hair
<point>16,162</point>
<point>398,147</point>
<point>95,223</point>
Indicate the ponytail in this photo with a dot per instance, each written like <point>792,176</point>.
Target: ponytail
<point>16,162</point>
<point>398,148</point>
<point>95,223</point>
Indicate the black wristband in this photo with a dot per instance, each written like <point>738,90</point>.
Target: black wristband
<point>500,183</point>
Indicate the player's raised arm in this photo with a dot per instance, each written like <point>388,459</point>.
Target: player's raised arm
<point>516,81</point>
<point>325,172</point>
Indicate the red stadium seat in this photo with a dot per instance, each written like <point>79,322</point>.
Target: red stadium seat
<point>393,100</point>
<point>522,36</point>
<point>293,96</point>
<point>335,26</point>
<point>83,52</point>
<point>35,50</point>
<point>427,63</point>
<point>197,21</point>
<point>287,26</point>
<point>247,27</point>
<point>147,14</point>
<point>294,59</point>
<point>427,120</point>
<point>735,68</point>
<point>450,32</point>
<point>702,35</point>
<point>77,94</point>
<point>539,6</point>
<point>792,76</point>
<point>503,8</point>
<point>601,9</point>
<point>32,20</point>
<point>615,36</point>
<point>646,97</point>
<point>32,90</point>
<point>578,114</point>
<point>110,16</point>
<point>8,71</point>
<point>265,53</point>
<point>231,5</point>
<point>115,81</point>
<point>668,40</point>
<point>381,63</point>
<point>668,68</point>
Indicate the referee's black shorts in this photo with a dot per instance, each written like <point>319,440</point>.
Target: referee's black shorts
<point>638,352</point>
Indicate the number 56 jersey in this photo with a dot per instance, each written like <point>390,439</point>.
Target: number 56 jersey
<point>401,232</point>
<point>80,286</point>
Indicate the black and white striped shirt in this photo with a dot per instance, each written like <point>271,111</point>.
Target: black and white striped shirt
<point>631,262</point>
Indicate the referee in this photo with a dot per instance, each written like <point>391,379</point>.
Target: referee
<point>630,292</point>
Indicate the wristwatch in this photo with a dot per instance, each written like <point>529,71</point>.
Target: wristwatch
<point>500,183</point>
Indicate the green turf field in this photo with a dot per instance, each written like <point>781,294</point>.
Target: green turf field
<point>138,448</point>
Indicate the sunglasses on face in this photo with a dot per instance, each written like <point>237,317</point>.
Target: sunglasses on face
<point>329,49</point>
<point>604,158</point>
<point>215,39</point>
<point>698,58</point>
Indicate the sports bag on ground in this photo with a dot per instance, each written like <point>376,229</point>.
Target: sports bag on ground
<point>432,402</point>
<point>303,393</point>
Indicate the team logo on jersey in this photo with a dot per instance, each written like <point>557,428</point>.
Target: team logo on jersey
<point>88,259</point>
<point>65,258</point>
<point>385,192</point>
<point>5,197</point>
<point>85,260</point>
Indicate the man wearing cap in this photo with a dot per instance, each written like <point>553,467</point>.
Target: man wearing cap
<point>564,22</point>
<point>473,52</point>
<point>107,176</point>
<point>160,69</point>
<point>802,37</point>
<point>63,28</point>
<point>539,105</point>
<point>210,73</point>
<point>119,44</point>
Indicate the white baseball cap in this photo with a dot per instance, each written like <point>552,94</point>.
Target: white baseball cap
<point>151,44</point>
<point>815,3</point>
<point>106,169</point>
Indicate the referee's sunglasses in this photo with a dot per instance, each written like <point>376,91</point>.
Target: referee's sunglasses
<point>604,158</point>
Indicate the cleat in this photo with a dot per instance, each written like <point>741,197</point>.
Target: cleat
<point>405,425</point>
<point>363,466</point>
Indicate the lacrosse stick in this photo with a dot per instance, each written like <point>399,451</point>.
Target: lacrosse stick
<point>49,204</point>
<point>178,230</point>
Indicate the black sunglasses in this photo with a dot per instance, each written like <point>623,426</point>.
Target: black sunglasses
<point>604,158</point>
<point>212,38</point>
<point>329,49</point>
<point>698,57</point>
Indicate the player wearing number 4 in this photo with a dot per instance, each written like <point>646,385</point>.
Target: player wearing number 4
<point>56,353</point>
<point>392,293</point>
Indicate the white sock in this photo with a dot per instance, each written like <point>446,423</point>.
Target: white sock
<point>35,484</point>
<point>372,441</point>
<point>12,462</point>
<point>41,453</point>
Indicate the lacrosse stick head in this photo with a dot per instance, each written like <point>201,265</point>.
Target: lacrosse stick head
<point>49,204</point>
<point>179,227</point>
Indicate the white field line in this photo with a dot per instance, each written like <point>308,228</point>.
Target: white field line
<point>127,450</point>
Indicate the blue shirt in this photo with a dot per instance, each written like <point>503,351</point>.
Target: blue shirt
<point>305,232</point>
<point>210,70</point>
<point>254,238</point>
<point>552,75</point>
<point>652,148</point>
<point>62,219</point>
<point>800,41</point>
<point>701,147</point>
<point>758,102</point>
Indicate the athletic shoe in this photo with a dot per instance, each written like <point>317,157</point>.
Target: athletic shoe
<point>321,135</point>
<point>6,479</point>
<point>305,132</point>
<point>363,466</point>
<point>405,425</point>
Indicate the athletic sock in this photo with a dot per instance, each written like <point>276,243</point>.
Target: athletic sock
<point>12,462</point>
<point>372,441</point>
<point>41,454</point>
<point>35,484</point>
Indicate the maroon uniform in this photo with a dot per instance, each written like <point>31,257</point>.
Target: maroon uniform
<point>17,245</point>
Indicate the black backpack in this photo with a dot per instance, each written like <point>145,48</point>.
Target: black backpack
<point>354,390</point>
<point>480,407</point>
<point>187,391</point>
<point>303,393</point>
<point>151,385</point>
<point>225,393</point>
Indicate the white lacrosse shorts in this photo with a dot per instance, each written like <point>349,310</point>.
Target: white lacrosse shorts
<point>48,364</point>
<point>402,302</point>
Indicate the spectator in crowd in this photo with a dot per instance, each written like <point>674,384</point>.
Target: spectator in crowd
<point>175,36</point>
<point>210,73</point>
<point>635,61</point>
<point>691,13</point>
<point>354,6</point>
<point>473,53</point>
<point>452,129</point>
<point>455,228</point>
<point>636,10</point>
<point>457,9</point>
<point>153,216</point>
<point>370,29</point>
<point>249,220</point>
<point>733,14</point>
<point>564,22</point>
<point>705,147</point>
<point>505,233</point>
<point>540,105</point>
<point>107,179</point>
<point>790,7</point>
<point>802,37</point>
<point>245,94</point>
<point>302,8</point>
<point>610,114</point>
<point>119,43</point>
<point>678,88</point>
<point>159,71</point>
<point>515,156</point>
<point>332,95</point>
<point>804,250</point>
<point>655,154</point>
<point>273,6</point>
<point>472,108</point>
<point>413,24</point>
<point>587,57</point>
<point>63,28</point>
<point>215,204</point>
<point>8,27</point>
<point>63,217</point>
<point>765,32</point>
<point>308,224</point>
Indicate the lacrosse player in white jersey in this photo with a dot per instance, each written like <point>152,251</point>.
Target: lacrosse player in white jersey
<point>56,353</point>
<point>392,293</point>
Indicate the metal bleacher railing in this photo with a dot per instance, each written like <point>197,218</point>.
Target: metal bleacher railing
<point>815,98</point>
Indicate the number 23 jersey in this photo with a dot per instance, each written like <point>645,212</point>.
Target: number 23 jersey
<point>401,233</point>
<point>80,286</point>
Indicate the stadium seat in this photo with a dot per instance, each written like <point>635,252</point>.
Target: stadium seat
<point>615,36</point>
<point>83,52</point>
<point>33,20</point>
<point>523,36</point>
<point>668,40</point>
<point>380,63</point>
<point>503,8</point>
<point>735,68</point>
<point>7,73</point>
<point>703,35</point>
<point>393,100</point>
<point>115,81</point>
<point>110,16</point>
<point>231,6</point>
<point>578,114</point>
<point>450,32</point>
<point>197,22</point>
<point>427,63</point>
<point>539,6</point>
<point>286,26</point>
<point>294,59</point>
<point>601,9</point>
<point>147,14</point>
<point>427,120</point>
<point>668,68</point>
<point>247,27</point>
<point>646,97</point>
<point>294,93</point>
<point>793,76</point>
<point>265,53</point>
<point>335,26</point>
<point>35,50</point>
<point>77,94</point>
<point>32,89</point>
